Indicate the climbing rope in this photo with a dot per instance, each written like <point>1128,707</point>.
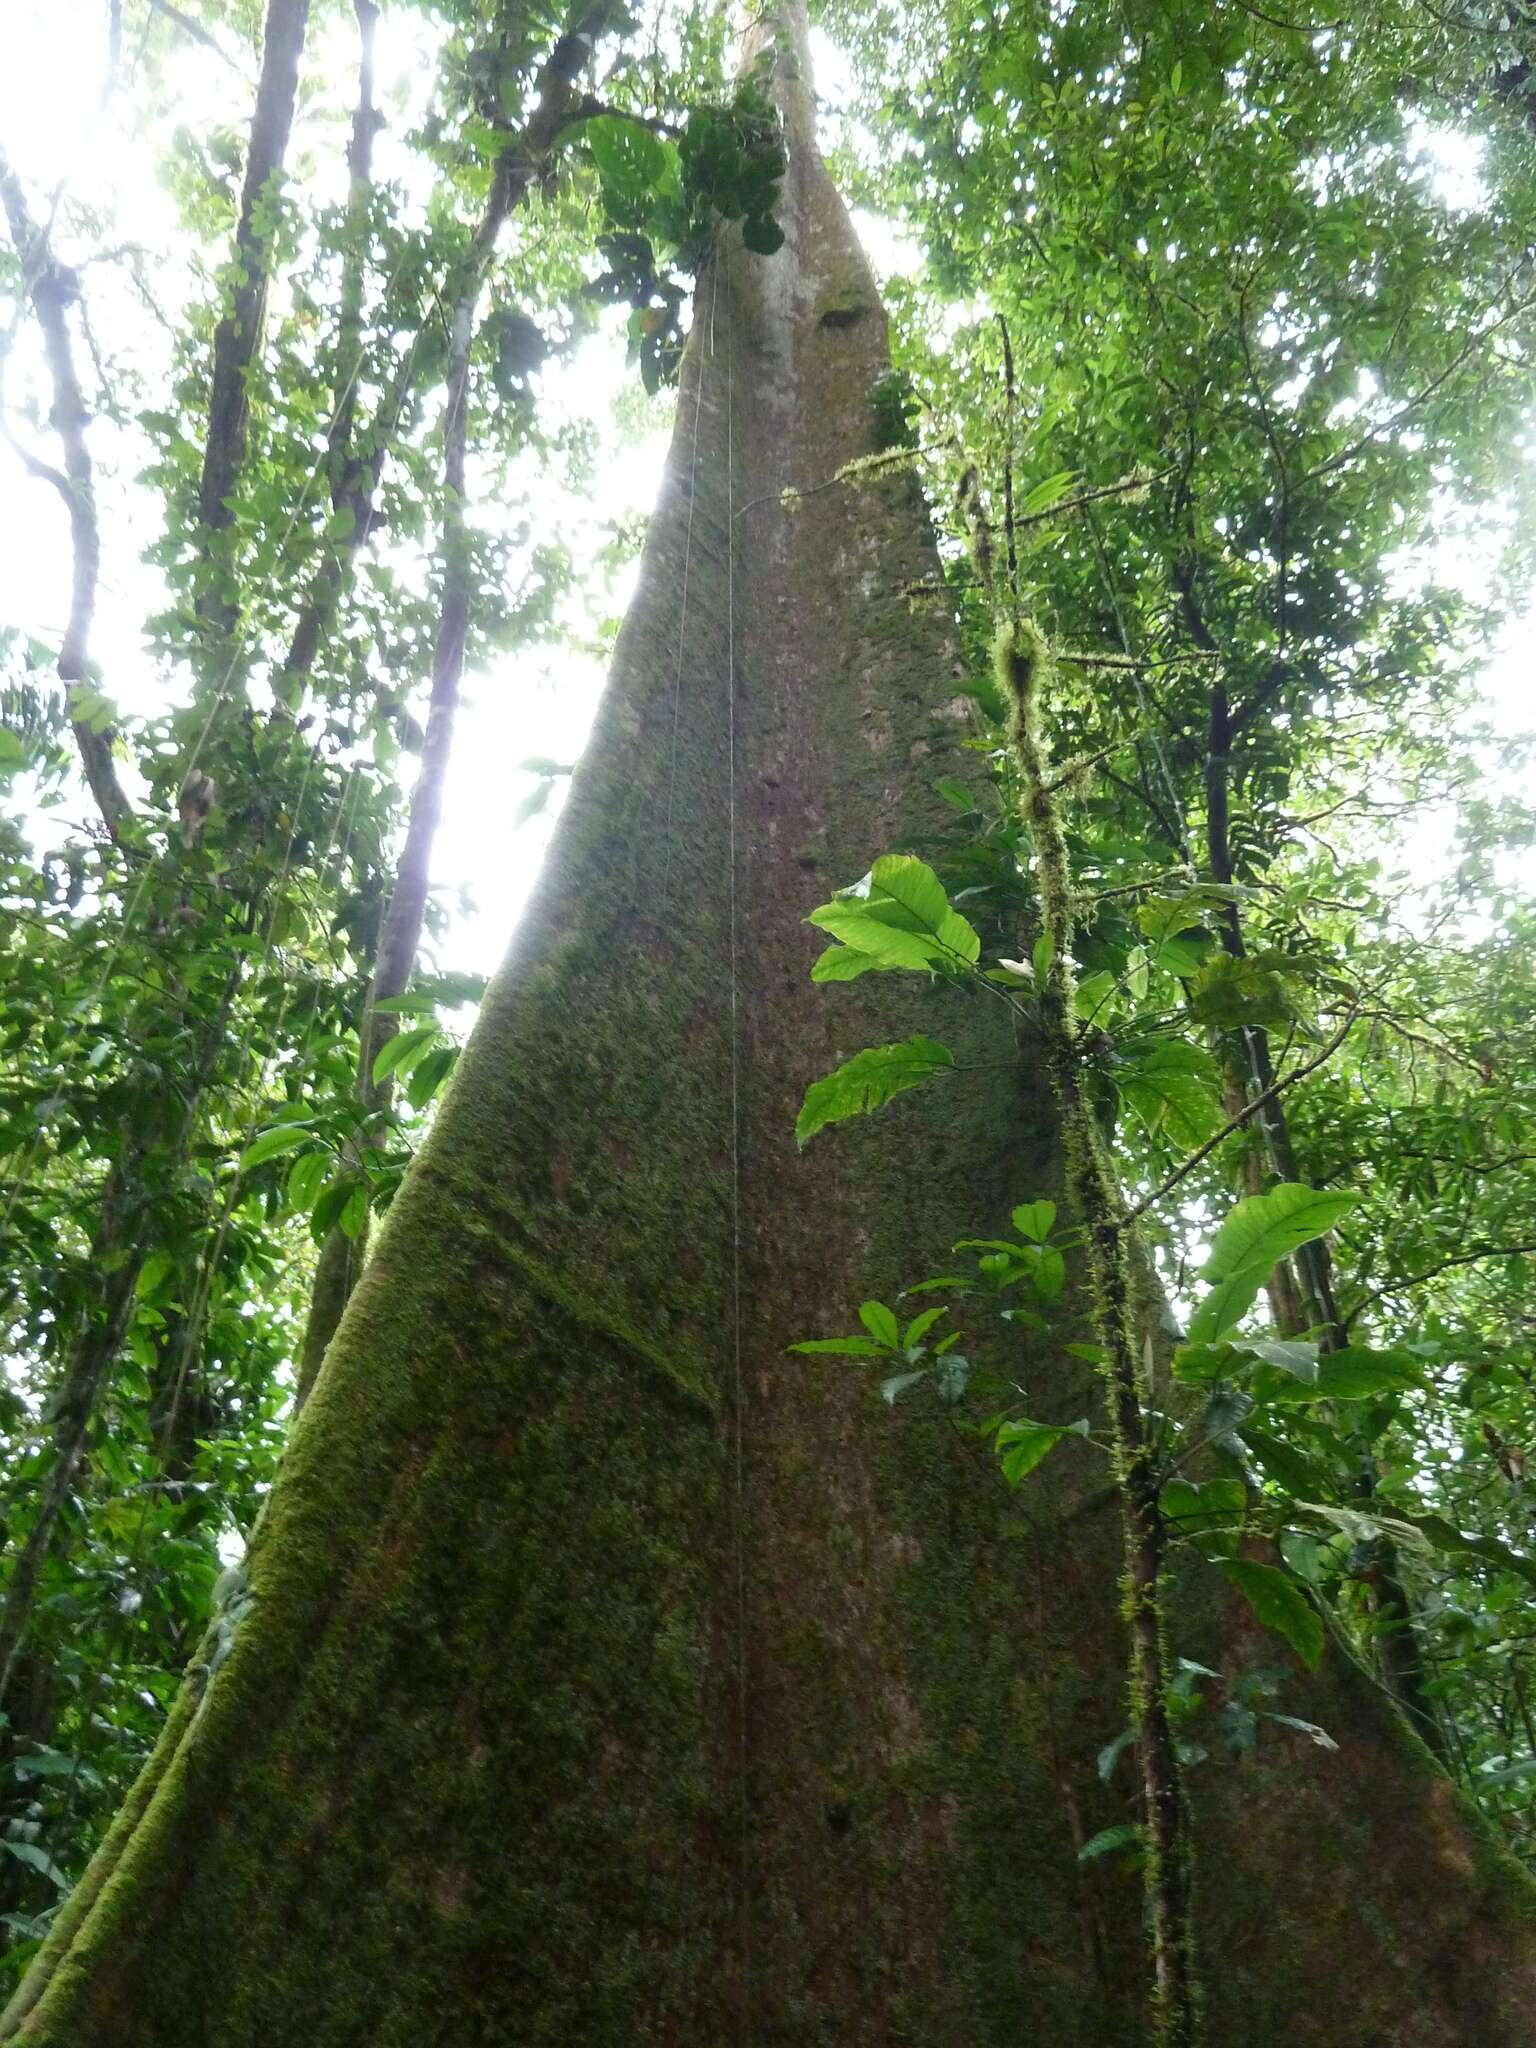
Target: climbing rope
<point>682,615</point>
<point>739,1391</point>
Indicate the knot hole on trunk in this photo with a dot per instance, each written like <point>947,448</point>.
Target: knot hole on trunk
<point>844,316</point>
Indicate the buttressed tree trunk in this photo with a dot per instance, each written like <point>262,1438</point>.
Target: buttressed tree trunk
<point>602,1675</point>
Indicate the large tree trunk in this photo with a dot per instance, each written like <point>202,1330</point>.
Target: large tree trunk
<point>605,1676</point>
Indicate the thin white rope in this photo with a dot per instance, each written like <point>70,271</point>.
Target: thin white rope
<point>739,1390</point>
<point>682,618</point>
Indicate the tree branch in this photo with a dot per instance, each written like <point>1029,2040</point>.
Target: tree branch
<point>236,336</point>
<point>1471,1258</point>
<point>52,288</point>
<point>1275,1089</point>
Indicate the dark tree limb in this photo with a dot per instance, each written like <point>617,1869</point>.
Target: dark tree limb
<point>340,1260</point>
<point>1469,1258</point>
<point>193,29</point>
<point>1303,1291</point>
<point>237,334</point>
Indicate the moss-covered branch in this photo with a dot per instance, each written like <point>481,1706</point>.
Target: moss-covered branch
<point>1023,669</point>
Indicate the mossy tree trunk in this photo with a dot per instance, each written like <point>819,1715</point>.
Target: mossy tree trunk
<point>602,1675</point>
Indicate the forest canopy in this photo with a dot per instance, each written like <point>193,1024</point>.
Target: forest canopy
<point>340,348</point>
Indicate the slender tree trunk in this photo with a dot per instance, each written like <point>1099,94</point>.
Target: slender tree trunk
<point>602,1675</point>
<point>238,334</point>
<point>89,1359</point>
<point>1301,1290</point>
<point>122,1241</point>
<point>341,1257</point>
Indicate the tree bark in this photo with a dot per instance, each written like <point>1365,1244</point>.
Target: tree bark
<point>601,1674</point>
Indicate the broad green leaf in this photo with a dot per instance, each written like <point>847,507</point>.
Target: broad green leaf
<point>1289,1468</point>
<point>306,1177</point>
<point>844,963</point>
<point>1298,1359</point>
<point>36,1859</point>
<point>630,158</point>
<point>899,1382</point>
<point>881,1324</point>
<point>868,1081</point>
<point>1050,1273</point>
<point>1022,1445</point>
<point>877,943</point>
<point>402,1051</point>
<point>1261,1230</point>
<point>842,1347</point>
<point>332,1200</point>
<point>1181,955</point>
<point>285,1138</point>
<point>1354,1374</point>
<point>1277,1599</point>
<point>1174,1088</point>
<point>1093,991</point>
<point>956,794</point>
<point>353,1219</point>
<point>1227,1409</point>
<point>913,884</point>
<point>416,1004</point>
<point>1234,995</point>
<point>428,1075</point>
<point>1192,1508</point>
<point>1201,1365</point>
<point>155,1268</point>
<point>1126,1834</point>
<point>1035,1220</point>
<point>919,1326</point>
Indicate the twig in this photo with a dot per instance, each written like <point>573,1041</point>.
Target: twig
<point>1471,1258</point>
<point>1276,1088</point>
<point>1412,405</point>
<point>194,29</point>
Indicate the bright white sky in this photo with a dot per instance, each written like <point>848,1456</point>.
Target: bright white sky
<point>528,706</point>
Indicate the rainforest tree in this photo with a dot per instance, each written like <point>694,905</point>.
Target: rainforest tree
<point>658,1677</point>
